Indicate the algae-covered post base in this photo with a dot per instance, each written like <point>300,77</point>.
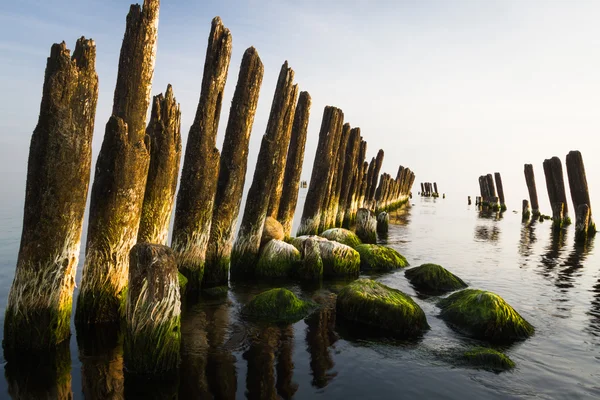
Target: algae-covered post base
<point>366,226</point>
<point>579,190</point>
<point>39,305</point>
<point>153,308</point>
<point>526,213</point>
<point>582,224</point>
<point>232,170</point>
<point>198,186</point>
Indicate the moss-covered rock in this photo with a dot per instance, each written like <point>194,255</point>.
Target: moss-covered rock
<point>277,260</point>
<point>278,305</point>
<point>484,315</point>
<point>381,308</point>
<point>216,292</point>
<point>339,260</point>
<point>434,279</point>
<point>272,230</point>
<point>486,358</point>
<point>343,236</point>
<point>375,257</point>
<point>298,242</point>
<point>311,266</point>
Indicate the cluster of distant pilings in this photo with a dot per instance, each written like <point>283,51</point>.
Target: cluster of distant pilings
<point>129,273</point>
<point>555,185</point>
<point>429,189</point>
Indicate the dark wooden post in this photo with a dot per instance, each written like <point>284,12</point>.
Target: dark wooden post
<point>348,179</point>
<point>582,223</point>
<point>196,197</point>
<point>332,204</point>
<point>363,185</point>
<point>422,189</point>
<point>164,131</point>
<point>121,172</point>
<point>370,173</point>
<point>246,247</point>
<point>579,189</point>
<point>232,169</point>
<point>526,213</point>
<point>366,226</point>
<point>530,180</point>
<point>500,188</point>
<point>556,191</point>
<point>435,188</point>
<point>322,165</point>
<point>39,306</point>
<point>293,165</point>
<point>153,308</point>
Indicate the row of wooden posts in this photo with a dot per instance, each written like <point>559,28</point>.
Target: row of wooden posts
<point>128,270</point>
<point>555,184</point>
<point>429,189</point>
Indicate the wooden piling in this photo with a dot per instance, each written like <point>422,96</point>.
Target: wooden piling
<point>153,308</point>
<point>533,197</point>
<point>366,226</point>
<point>232,169</point>
<point>164,131</point>
<point>293,165</point>
<point>244,255</point>
<point>121,172</point>
<point>583,223</point>
<point>500,187</point>
<point>39,307</point>
<point>332,203</point>
<point>556,191</point>
<point>383,223</point>
<point>348,179</point>
<point>198,186</point>
<point>422,189</point>
<point>579,189</point>
<point>526,213</point>
<point>435,188</point>
<point>469,200</point>
<point>322,167</point>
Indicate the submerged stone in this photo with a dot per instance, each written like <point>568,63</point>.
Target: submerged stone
<point>277,305</point>
<point>484,315</point>
<point>215,292</point>
<point>272,230</point>
<point>343,236</point>
<point>379,307</point>
<point>379,258</point>
<point>433,278</point>
<point>487,358</point>
<point>339,260</point>
<point>277,259</point>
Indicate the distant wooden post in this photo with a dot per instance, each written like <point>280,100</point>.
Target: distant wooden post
<point>293,166</point>
<point>422,189</point>
<point>556,191</point>
<point>435,188</point>
<point>164,131</point>
<point>232,170</point>
<point>196,197</point>
<point>469,200</point>
<point>533,197</point>
<point>582,223</point>
<point>579,189</point>
<point>247,244</point>
<point>153,306</point>
<point>526,213</point>
<point>39,306</point>
<point>121,172</point>
<point>500,188</point>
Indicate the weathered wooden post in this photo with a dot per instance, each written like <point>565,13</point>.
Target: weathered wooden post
<point>435,188</point>
<point>500,188</point>
<point>281,156</point>
<point>247,244</point>
<point>422,189</point>
<point>332,204</point>
<point>39,305</point>
<point>366,226</point>
<point>383,223</point>
<point>370,173</point>
<point>492,192</point>
<point>556,191</point>
<point>579,190</point>
<point>121,173</point>
<point>198,186</point>
<point>349,173</point>
<point>583,225</point>
<point>164,131</point>
<point>526,212</point>
<point>363,185</point>
<point>153,307</point>
<point>469,200</point>
<point>530,179</point>
<point>481,189</point>
<point>322,165</point>
<point>232,170</point>
<point>293,165</point>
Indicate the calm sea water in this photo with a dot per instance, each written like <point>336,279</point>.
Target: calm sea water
<point>547,278</point>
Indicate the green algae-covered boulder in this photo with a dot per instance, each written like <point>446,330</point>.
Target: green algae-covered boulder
<point>298,242</point>
<point>277,260</point>
<point>375,257</point>
<point>486,358</point>
<point>311,266</point>
<point>339,260</point>
<point>277,305</point>
<point>343,236</point>
<point>434,279</point>
<point>381,308</point>
<point>484,315</point>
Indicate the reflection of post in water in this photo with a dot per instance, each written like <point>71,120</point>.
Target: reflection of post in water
<point>528,238</point>
<point>595,311</point>
<point>260,378</point>
<point>487,234</point>
<point>101,356</point>
<point>551,257</point>
<point>43,375</point>
<point>151,388</point>
<point>320,335</point>
<point>194,349</point>
<point>573,264</point>
<point>220,368</point>
<point>286,388</point>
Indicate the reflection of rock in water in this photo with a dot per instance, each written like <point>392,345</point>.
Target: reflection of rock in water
<point>487,234</point>
<point>400,216</point>
<point>286,388</point>
<point>320,335</point>
<point>41,375</point>
<point>260,378</point>
<point>527,240</point>
<point>101,356</point>
<point>194,350</point>
<point>573,264</point>
<point>151,388</point>
<point>550,258</point>
<point>220,369</point>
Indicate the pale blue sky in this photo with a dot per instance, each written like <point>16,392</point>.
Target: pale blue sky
<point>452,89</point>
